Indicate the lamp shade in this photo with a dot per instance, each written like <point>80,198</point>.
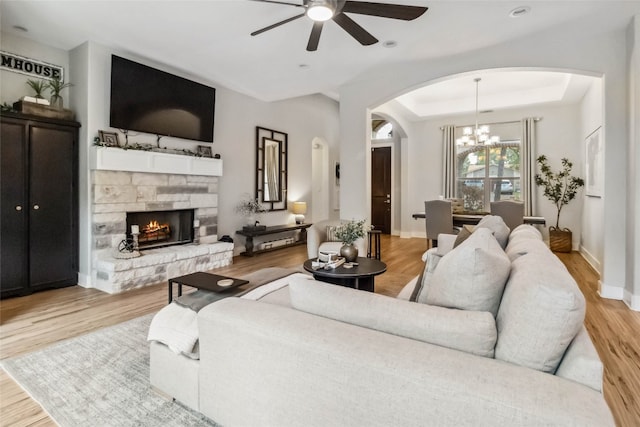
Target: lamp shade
<point>299,208</point>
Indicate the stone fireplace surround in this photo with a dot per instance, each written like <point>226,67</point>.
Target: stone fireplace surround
<point>116,192</point>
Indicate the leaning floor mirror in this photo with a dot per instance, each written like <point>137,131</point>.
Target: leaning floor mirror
<point>271,168</point>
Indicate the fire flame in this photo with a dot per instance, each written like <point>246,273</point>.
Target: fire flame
<point>153,226</point>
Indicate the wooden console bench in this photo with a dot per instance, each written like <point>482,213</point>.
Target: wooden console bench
<point>250,234</point>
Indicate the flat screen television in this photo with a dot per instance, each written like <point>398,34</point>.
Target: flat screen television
<point>148,100</point>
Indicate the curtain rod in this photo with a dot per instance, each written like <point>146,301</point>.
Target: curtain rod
<point>537,119</point>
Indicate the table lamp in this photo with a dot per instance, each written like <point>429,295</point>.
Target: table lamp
<point>299,209</point>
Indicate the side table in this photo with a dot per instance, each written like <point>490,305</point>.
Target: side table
<point>202,280</point>
<point>360,276</point>
<point>250,234</point>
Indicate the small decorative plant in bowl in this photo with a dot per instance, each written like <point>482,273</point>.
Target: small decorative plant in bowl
<point>348,233</point>
<point>250,207</point>
<point>560,188</point>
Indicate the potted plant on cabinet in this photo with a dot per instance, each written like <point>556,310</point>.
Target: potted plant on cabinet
<point>348,233</point>
<point>38,87</point>
<point>560,188</point>
<point>55,86</point>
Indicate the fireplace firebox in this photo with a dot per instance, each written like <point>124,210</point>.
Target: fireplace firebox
<point>161,228</point>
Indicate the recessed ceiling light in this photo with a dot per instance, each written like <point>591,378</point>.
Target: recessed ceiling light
<point>20,28</point>
<point>390,43</point>
<point>519,11</point>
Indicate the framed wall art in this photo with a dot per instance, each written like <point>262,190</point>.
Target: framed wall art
<point>594,164</point>
<point>109,139</point>
<point>205,151</point>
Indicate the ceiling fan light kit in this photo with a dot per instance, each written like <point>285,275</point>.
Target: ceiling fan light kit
<point>320,11</point>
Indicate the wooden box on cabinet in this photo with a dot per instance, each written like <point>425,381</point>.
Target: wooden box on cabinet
<point>39,210</point>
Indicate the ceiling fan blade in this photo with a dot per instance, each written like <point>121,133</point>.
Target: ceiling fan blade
<point>384,10</point>
<point>355,30</point>
<point>278,2</point>
<point>277,24</point>
<point>314,38</point>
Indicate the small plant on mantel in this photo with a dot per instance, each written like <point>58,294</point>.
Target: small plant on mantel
<point>560,188</point>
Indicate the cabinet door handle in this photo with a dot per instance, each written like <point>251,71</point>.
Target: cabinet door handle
<point>36,207</point>
<point>18,208</point>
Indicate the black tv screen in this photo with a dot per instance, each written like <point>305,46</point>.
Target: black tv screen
<point>148,100</point>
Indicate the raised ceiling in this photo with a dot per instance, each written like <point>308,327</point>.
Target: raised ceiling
<point>211,39</point>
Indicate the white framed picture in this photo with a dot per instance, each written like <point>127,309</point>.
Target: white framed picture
<point>594,164</point>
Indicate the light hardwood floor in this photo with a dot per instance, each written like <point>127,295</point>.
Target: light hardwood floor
<point>36,321</point>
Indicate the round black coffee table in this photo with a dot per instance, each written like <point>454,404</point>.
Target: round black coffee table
<point>360,276</point>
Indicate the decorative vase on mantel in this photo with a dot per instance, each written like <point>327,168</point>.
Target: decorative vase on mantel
<point>349,252</point>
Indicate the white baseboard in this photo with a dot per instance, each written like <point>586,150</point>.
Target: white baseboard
<point>593,261</point>
<point>84,280</point>
<point>610,292</point>
<point>633,301</point>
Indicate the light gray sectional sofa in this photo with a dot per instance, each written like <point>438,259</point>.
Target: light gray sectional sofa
<point>492,337</point>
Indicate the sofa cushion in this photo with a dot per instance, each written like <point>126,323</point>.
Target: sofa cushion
<point>470,331</point>
<point>470,277</point>
<point>497,226</point>
<point>542,310</point>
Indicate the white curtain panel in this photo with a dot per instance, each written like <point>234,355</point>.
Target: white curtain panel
<point>449,162</point>
<point>528,164</point>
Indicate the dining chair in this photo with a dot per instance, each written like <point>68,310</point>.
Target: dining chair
<point>438,219</point>
<point>511,212</point>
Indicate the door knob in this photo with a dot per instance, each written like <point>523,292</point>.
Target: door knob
<point>18,208</point>
<point>36,207</point>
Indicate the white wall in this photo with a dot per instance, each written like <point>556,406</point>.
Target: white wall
<point>558,136</point>
<point>632,289</point>
<point>591,245</point>
<point>13,86</point>
<point>582,45</point>
<point>305,118</point>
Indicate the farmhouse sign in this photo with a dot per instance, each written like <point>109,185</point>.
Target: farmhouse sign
<point>31,67</point>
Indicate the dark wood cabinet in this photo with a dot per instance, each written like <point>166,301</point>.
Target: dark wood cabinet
<point>39,210</point>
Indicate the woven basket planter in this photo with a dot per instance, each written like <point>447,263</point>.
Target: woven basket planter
<point>560,240</point>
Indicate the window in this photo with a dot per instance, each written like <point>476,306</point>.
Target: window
<point>381,129</point>
<point>488,173</point>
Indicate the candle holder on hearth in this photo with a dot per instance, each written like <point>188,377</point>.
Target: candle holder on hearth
<point>127,248</point>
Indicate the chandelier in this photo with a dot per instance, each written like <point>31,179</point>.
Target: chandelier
<point>478,135</point>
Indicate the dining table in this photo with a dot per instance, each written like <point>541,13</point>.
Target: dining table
<point>473,218</point>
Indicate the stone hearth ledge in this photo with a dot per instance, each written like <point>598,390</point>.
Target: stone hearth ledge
<point>159,265</point>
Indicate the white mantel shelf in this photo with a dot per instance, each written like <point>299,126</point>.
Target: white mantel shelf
<point>117,159</point>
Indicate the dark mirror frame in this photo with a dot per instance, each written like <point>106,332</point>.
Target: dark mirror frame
<point>263,134</point>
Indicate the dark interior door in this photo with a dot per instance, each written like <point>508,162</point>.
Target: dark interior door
<point>381,189</point>
<point>51,206</point>
<point>13,245</point>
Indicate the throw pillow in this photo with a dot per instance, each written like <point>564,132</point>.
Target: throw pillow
<point>470,277</point>
<point>463,235</point>
<point>431,259</point>
<point>331,233</point>
<point>497,226</point>
<point>541,312</point>
<point>470,331</point>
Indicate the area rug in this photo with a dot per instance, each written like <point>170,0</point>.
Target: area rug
<point>100,379</point>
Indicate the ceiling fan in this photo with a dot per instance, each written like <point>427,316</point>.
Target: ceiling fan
<point>320,11</point>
